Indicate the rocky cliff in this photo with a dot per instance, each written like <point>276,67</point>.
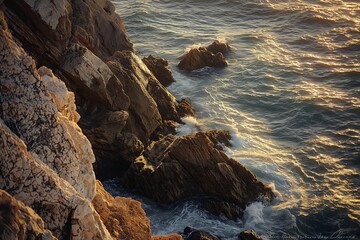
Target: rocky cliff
<point>76,102</point>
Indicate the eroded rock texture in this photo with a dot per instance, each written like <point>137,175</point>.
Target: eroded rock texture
<point>46,160</point>
<point>18,221</point>
<point>177,168</point>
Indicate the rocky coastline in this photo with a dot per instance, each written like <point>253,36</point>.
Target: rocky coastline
<point>77,105</point>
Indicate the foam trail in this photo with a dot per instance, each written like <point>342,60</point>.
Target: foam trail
<point>191,126</point>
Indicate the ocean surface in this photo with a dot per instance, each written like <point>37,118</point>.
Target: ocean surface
<point>290,97</point>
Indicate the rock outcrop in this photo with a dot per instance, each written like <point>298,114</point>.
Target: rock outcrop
<point>178,168</point>
<point>160,68</point>
<point>18,221</point>
<point>46,161</point>
<point>211,56</point>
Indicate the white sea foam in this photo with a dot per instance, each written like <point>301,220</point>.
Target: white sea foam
<point>191,126</point>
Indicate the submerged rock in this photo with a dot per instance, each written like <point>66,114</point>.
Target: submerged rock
<point>160,68</point>
<point>249,235</point>
<point>176,168</point>
<point>194,234</point>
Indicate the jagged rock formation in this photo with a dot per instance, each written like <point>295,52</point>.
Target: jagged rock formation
<point>176,168</point>
<point>160,68</point>
<point>85,45</point>
<point>211,56</point>
<point>18,221</point>
<point>46,161</point>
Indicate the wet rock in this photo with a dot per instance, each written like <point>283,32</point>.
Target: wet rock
<point>177,168</point>
<point>123,217</point>
<point>200,57</point>
<point>193,234</point>
<point>217,46</point>
<point>185,108</point>
<point>160,68</point>
<point>249,235</point>
<point>18,221</point>
<point>219,138</point>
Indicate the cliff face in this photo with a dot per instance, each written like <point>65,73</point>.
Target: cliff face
<point>57,53</point>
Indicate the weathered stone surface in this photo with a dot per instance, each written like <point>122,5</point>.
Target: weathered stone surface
<point>50,12</point>
<point>123,217</point>
<point>27,108</point>
<point>65,212</point>
<point>160,68</point>
<point>64,100</point>
<point>150,101</point>
<point>99,28</point>
<point>170,170</point>
<point>94,80</point>
<point>249,235</point>
<point>194,234</point>
<point>18,221</point>
<point>200,57</point>
<point>45,160</point>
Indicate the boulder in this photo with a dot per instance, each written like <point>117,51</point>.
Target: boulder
<point>168,237</point>
<point>160,68</point>
<point>217,46</point>
<point>249,235</point>
<point>18,221</point>
<point>177,168</point>
<point>194,234</point>
<point>200,57</point>
<point>221,208</point>
<point>219,138</point>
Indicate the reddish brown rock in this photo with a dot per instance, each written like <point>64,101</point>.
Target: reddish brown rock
<point>170,170</point>
<point>123,217</point>
<point>168,237</point>
<point>18,221</point>
<point>200,57</point>
<point>160,68</point>
<point>185,108</point>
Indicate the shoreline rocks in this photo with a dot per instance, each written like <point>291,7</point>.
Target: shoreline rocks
<point>173,169</point>
<point>126,120</point>
<point>211,56</point>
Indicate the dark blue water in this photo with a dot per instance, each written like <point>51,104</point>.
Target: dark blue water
<point>290,96</point>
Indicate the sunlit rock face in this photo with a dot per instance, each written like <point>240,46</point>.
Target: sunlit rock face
<point>18,221</point>
<point>46,161</point>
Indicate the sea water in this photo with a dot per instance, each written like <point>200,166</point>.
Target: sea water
<point>290,97</point>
